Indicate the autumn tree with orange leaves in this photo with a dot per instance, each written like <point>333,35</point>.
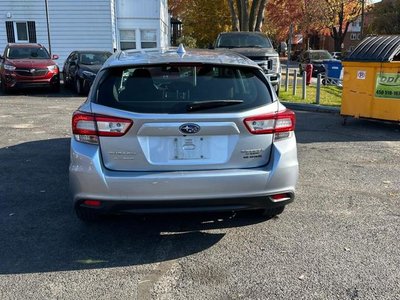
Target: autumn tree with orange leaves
<point>313,16</point>
<point>339,14</point>
<point>306,16</point>
<point>202,19</point>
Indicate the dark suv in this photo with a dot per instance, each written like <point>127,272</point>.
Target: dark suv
<point>315,57</point>
<point>28,65</point>
<point>81,67</point>
<point>256,46</point>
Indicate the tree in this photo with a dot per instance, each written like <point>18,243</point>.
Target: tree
<point>202,20</point>
<point>176,7</point>
<point>339,14</point>
<point>386,17</point>
<point>247,15</point>
<point>306,16</point>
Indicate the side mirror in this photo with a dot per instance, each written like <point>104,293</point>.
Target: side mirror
<point>55,56</point>
<point>1,57</point>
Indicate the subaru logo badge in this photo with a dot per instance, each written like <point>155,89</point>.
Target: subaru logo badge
<point>189,128</point>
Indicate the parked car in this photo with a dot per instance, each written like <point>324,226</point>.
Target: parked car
<point>256,46</point>
<point>172,131</point>
<point>316,58</point>
<point>81,67</point>
<point>28,65</point>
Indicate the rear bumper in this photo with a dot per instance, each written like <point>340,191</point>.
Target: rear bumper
<point>183,206</point>
<point>231,189</point>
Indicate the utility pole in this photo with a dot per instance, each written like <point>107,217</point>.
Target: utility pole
<point>46,3</point>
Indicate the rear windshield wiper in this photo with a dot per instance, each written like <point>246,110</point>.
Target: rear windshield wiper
<point>200,105</point>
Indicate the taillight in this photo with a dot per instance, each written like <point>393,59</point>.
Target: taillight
<point>88,127</point>
<point>280,123</point>
<point>280,197</point>
<point>92,203</point>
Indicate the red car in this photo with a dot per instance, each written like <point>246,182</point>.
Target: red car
<point>28,65</point>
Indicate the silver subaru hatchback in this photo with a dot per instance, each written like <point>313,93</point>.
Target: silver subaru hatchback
<point>177,131</point>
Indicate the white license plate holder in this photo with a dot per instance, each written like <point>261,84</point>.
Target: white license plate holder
<point>189,147</point>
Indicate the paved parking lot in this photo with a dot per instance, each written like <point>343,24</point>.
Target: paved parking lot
<point>339,240</point>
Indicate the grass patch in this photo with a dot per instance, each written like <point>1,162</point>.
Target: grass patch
<point>330,95</point>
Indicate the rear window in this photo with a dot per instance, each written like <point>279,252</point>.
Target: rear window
<point>183,88</point>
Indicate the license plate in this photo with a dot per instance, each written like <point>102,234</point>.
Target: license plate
<point>189,148</point>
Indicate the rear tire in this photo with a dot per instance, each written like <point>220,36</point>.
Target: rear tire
<point>78,86</point>
<point>86,215</point>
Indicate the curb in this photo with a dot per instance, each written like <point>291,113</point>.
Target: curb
<point>312,107</point>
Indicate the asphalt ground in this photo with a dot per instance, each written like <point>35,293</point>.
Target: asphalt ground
<point>338,240</point>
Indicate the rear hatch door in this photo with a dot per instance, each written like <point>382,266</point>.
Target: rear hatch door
<point>185,117</point>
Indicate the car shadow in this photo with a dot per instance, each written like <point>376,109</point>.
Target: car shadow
<point>40,233</point>
<point>64,92</point>
<point>312,127</point>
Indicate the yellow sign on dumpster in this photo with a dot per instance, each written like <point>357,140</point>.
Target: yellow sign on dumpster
<point>387,86</point>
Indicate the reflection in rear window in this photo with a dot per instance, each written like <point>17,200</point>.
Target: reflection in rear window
<point>173,88</point>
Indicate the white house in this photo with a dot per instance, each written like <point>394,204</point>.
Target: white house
<point>63,26</point>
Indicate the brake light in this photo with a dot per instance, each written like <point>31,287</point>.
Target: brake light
<point>280,197</point>
<point>88,127</point>
<point>93,203</point>
<point>280,123</point>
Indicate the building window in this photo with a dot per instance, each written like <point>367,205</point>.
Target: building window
<point>355,36</point>
<point>127,39</point>
<point>148,38</point>
<point>21,30</point>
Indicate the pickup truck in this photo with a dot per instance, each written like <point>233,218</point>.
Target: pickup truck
<point>256,46</point>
